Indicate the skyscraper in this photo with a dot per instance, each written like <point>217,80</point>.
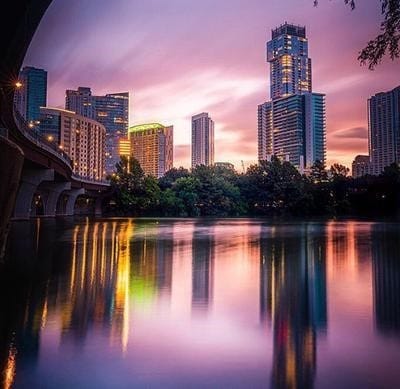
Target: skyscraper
<point>292,125</point>
<point>152,146</point>
<point>202,140</point>
<point>384,129</point>
<point>287,54</point>
<point>111,110</point>
<point>32,94</point>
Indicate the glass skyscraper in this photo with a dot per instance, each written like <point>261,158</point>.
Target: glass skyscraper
<point>287,54</point>
<point>202,140</point>
<point>111,110</point>
<point>32,94</point>
<point>292,125</point>
<point>384,129</point>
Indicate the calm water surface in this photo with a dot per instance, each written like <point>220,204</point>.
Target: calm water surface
<point>124,303</point>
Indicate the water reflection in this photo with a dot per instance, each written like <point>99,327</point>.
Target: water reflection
<point>101,303</point>
<point>293,298</point>
<point>386,279</point>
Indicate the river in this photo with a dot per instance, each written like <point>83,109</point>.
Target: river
<point>194,303</point>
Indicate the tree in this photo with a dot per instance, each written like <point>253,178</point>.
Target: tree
<point>171,176</point>
<point>318,172</point>
<point>339,171</point>
<point>388,40</point>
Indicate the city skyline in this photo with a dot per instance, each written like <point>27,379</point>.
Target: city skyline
<point>226,77</point>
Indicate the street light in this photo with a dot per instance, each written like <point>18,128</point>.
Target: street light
<point>18,84</point>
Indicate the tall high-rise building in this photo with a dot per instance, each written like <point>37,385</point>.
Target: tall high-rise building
<point>202,140</point>
<point>111,110</point>
<point>152,146</point>
<point>287,54</point>
<point>292,125</point>
<point>32,94</point>
<point>81,138</point>
<point>384,129</point>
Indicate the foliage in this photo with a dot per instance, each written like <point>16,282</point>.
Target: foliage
<point>271,188</point>
<point>389,38</point>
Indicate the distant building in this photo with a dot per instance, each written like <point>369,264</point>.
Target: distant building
<point>152,146</point>
<point>111,110</point>
<point>384,129</point>
<point>202,140</point>
<point>361,166</point>
<point>124,147</point>
<point>32,94</point>
<point>226,165</point>
<point>292,125</point>
<point>81,138</point>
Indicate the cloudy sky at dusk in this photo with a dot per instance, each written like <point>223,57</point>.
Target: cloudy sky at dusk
<point>182,57</point>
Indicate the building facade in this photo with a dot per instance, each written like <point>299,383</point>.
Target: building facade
<point>31,94</point>
<point>290,67</point>
<point>202,140</point>
<point>361,166</point>
<point>384,129</point>
<point>81,138</point>
<point>292,124</point>
<point>152,146</point>
<point>111,110</point>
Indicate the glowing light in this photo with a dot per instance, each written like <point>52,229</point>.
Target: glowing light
<point>18,84</point>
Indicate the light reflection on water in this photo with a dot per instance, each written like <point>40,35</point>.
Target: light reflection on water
<point>120,303</point>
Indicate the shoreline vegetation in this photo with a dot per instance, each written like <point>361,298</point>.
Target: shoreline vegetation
<point>270,189</point>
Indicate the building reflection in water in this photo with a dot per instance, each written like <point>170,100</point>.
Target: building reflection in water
<point>293,299</point>
<point>386,278</point>
<point>203,253</point>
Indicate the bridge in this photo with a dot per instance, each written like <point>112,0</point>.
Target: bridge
<point>36,177</point>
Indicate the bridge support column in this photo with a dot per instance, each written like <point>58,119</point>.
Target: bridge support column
<point>72,196</point>
<point>30,181</point>
<point>98,211</point>
<point>54,190</point>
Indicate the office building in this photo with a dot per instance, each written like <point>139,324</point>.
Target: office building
<point>202,140</point>
<point>152,146</point>
<point>384,129</point>
<point>361,166</point>
<point>81,138</point>
<point>31,94</point>
<point>292,124</point>
<point>111,110</point>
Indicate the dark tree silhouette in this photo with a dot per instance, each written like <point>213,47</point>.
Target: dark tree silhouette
<point>389,38</point>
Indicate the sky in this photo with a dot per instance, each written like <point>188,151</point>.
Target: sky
<point>178,58</point>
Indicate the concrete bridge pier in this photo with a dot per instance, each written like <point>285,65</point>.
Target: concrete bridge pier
<point>29,184</point>
<point>53,191</point>
<point>72,196</point>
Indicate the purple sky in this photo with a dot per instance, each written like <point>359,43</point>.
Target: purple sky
<point>182,57</point>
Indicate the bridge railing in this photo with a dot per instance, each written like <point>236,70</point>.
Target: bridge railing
<point>36,137</point>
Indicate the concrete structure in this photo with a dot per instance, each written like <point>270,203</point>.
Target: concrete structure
<point>202,140</point>
<point>152,146</point>
<point>361,166</point>
<point>111,110</point>
<point>31,93</point>
<point>290,66</point>
<point>292,125</point>
<point>384,129</point>
<point>81,138</point>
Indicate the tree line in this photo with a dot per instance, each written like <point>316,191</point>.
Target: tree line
<point>270,188</point>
